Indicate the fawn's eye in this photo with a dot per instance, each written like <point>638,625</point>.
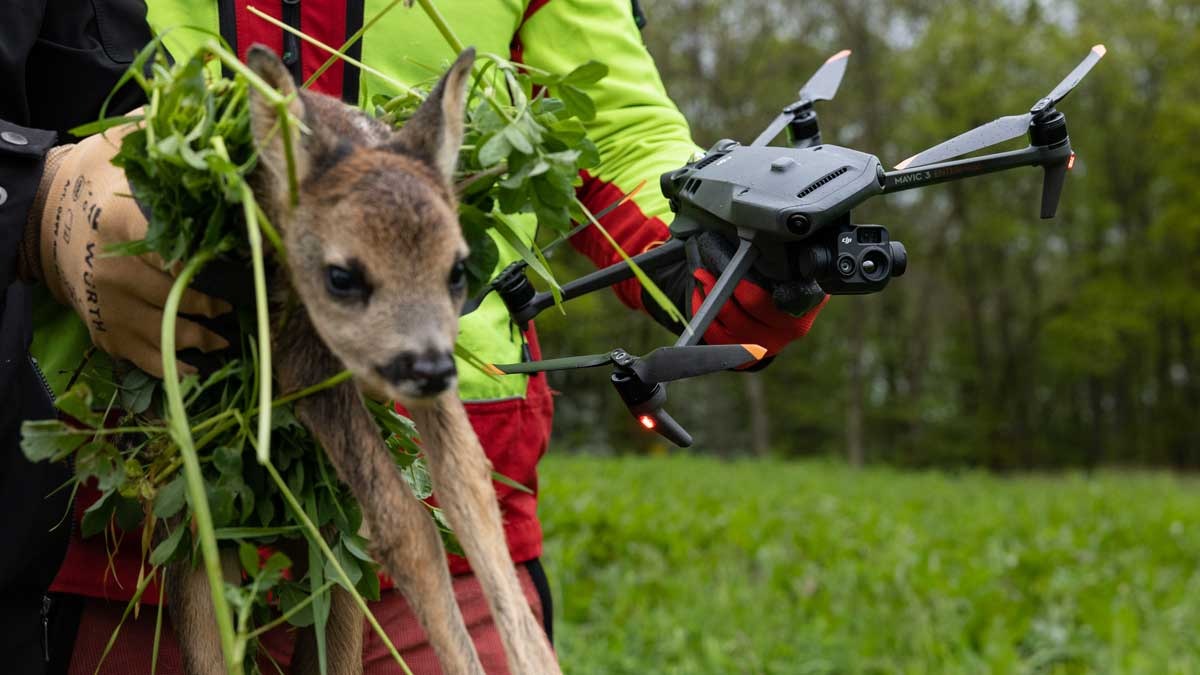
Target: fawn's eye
<point>347,282</point>
<point>458,277</point>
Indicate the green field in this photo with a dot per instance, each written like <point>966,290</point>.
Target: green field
<point>688,565</point>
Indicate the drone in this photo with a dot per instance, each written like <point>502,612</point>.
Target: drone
<point>789,210</point>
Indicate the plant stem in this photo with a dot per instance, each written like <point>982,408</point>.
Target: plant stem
<point>321,45</point>
<point>320,386</point>
<point>440,22</point>
<point>341,52</point>
<point>288,614</point>
<point>250,208</point>
<point>337,566</point>
<point>651,288</point>
<point>182,435</point>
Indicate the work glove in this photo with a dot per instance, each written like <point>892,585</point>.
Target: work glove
<point>767,313</point>
<point>82,207</point>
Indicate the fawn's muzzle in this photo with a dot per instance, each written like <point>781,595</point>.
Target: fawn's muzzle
<point>428,373</point>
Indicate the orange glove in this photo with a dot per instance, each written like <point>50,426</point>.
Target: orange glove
<point>82,207</point>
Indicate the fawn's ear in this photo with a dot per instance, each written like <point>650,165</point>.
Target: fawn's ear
<point>265,123</point>
<point>435,131</point>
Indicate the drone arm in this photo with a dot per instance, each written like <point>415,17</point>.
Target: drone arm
<point>669,253</point>
<point>930,174</point>
<point>734,272</point>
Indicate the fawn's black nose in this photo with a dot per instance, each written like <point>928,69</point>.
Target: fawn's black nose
<point>430,372</point>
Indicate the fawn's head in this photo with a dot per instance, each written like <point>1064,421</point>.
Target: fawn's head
<point>374,247</point>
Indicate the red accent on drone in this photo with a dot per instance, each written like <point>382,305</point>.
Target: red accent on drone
<point>1071,162</point>
<point>647,421</point>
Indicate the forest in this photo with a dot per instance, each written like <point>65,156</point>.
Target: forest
<point>1012,342</point>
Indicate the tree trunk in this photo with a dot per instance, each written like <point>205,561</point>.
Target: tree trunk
<point>856,390</point>
<point>760,419</point>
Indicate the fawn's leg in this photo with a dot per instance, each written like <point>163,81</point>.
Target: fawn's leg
<point>462,479</point>
<point>343,628</point>
<point>343,640</point>
<point>403,537</point>
<point>193,616</point>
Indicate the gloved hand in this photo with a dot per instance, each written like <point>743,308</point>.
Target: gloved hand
<point>761,311</point>
<point>83,206</point>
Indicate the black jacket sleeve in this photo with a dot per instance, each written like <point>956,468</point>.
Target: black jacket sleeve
<point>59,59</point>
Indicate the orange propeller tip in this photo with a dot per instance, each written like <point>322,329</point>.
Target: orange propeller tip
<point>1100,49</point>
<point>756,351</point>
<point>840,55</point>
<point>493,370</point>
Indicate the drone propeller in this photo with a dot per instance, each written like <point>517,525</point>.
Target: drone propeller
<point>1005,128</point>
<point>822,86</point>
<point>664,364</point>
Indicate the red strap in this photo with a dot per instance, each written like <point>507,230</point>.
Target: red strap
<point>516,48</point>
<point>253,30</point>
<point>324,20</point>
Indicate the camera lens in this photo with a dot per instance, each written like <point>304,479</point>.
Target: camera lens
<point>845,265</point>
<point>874,264</point>
<point>799,224</point>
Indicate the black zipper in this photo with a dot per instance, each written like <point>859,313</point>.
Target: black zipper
<point>354,21</point>
<point>291,43</point>
<point>42,376</point>
<point>47,603</point>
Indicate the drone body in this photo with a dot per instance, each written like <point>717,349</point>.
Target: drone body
<point>790,211</point>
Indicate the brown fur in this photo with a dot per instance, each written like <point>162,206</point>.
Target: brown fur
<point>382,202</point>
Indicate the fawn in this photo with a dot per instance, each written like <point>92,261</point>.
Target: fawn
<point>376,257</point>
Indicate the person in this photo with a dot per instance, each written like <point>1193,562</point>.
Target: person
<point>61,200</point>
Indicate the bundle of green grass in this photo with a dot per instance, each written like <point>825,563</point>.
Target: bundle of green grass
<point>219,457</point>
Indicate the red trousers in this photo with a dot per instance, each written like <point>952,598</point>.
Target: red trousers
<point>132,651</point>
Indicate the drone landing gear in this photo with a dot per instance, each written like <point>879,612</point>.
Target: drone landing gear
<point>641,382</point>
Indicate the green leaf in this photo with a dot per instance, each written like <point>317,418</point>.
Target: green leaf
<point>77,403</point>
<point>320,603</point>
<point>167,547</point>
<point>170,498</point>
<point>277,562</point>
<point>356,545</point>
<point>291,595</point>
<point>505,480</point>
<point>348,563</point>
<point>494,151</point>
<point>578,102</point>
<point>137,390</point>
<point>570,131</point>
<point>96,517</point>
<point>248,555</point>
<point>516,138</point>
<point>510,235</point>
<point>228,461</point>
<point>417,476</point>
<point>102,461</point>
<point>43,440</point>
<point>589,73</point>
<point>128,512</point>
<point>255,532</point>
<point>220,500</point>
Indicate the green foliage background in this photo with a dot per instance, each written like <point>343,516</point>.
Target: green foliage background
<point>690,565</point>
<point>1012,341</point>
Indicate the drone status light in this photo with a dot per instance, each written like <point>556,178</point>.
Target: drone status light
<point>647,421</point>
<point>1071,162</point>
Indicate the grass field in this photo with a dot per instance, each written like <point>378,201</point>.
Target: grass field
<point>686,565</point>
